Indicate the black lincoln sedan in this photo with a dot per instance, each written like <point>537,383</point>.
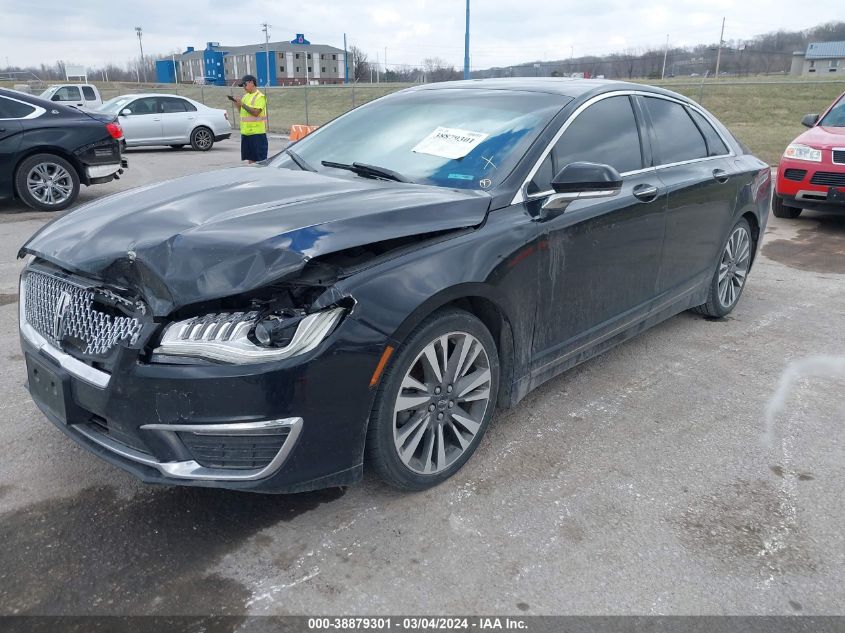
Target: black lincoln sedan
<point>373,293</point>
<point>48,149</point>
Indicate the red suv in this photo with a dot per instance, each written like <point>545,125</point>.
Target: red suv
<point>811,173</point>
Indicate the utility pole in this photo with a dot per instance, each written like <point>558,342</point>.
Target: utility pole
<point>378,67</point>
<point>665,53</point>
<point>346,64</point>
<point>719,53</point>
<point>385,63</point>
<point>140,32</point>
<point>466,46</point>
<point>266,28</point>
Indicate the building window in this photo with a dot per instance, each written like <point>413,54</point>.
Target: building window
<point>297,69</point>
<point>335,70</point>
<point>297,55</point>
<point>310,70</point>
<point>334,57</point>
<point>323,69</point>
<point>309,55</point>
<point>281,69</point>
<point>833,65</point>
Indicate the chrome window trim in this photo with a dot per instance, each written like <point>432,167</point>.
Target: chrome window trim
<point>32,115</point>
<point>71,365</point>
<point>192,470</point>
<point>521,195</point>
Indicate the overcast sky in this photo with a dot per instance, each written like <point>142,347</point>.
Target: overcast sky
<point>503,32</point>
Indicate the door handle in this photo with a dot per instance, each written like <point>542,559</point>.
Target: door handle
<point>721,175</point>
<point>157,119</point>
<point>646,193</point>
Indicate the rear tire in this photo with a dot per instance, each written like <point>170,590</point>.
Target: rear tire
<point>47,182</point>
<point>427,421</point>
<point>202,139</point>
<point>780,210</point>
<point>731,272</point>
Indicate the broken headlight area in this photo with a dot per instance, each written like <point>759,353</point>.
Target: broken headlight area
<point>242,338</point>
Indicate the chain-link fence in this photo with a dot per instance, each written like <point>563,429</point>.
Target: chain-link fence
<point>764,113</point>
<point>287,105</point>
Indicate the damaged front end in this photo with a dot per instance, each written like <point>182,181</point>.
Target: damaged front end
<point>206,331</point>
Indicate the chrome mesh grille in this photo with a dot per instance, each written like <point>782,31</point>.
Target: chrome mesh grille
<point>98,331</point>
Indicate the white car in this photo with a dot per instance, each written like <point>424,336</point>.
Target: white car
<point>162,119</point>
<point>76,95</point>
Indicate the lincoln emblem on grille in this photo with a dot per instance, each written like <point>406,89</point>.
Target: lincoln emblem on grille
<point>58,317</point>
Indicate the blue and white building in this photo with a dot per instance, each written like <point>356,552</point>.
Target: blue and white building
<point>291,63</point>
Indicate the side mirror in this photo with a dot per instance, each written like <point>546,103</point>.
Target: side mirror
<point>810,120</point>
<point>56,98</point>
<point>125,112</point>
<point>580,181</point>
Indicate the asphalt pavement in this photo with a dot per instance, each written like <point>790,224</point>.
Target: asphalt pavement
<point>641,482</point>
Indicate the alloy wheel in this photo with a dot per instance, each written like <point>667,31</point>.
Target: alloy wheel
<point>733,268</point>
<point>203,139</point>
<point>49,183</point>
<point>441,403</point>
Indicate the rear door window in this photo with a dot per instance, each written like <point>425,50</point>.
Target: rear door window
<point>172,104</point>
<point>88,91</point>
<point>715,144</point>
<point>10,109</point>
<point>678,138</point>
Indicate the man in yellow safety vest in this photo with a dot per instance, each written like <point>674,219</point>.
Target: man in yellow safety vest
<point>253,107</point>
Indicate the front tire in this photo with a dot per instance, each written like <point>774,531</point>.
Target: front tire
<point>47,182</point>
<point>435,401</point>
<point>731,273</point>
<point>202,139</point>
<point>780,210</point>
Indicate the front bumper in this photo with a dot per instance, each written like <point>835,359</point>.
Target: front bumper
<point>798,185</point>
<point>154,420</point>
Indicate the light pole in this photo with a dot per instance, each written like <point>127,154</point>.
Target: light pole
<point>140,31</point>
<point>466,46</point>
<point>266,28</point>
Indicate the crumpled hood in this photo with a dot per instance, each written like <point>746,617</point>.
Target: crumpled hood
<point>226,232</point>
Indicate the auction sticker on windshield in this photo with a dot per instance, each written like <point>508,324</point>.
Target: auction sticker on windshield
<point>449,142</point>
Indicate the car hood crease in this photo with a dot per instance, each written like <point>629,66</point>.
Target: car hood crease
<point>228,232</point>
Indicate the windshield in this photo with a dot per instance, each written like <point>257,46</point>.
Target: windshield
<point>115,105</point>
<point>836,116</point>
<point>457,138</point>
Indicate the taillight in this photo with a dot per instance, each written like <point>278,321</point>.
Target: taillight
<point>114,129</point>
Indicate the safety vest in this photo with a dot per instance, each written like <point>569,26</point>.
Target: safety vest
<point>254,124</point>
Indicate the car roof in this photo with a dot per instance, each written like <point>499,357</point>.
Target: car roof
<point>26,97</point>
<point>566,86</point>
<point>149,94</point>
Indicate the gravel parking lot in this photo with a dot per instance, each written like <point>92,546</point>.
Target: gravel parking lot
<point>641,482</point>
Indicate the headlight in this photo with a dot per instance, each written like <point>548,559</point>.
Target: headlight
<point>803,152</point>
<point>241,337</point>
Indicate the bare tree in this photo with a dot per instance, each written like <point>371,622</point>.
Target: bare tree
<point>437,69</point>
<point>360,67</point>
